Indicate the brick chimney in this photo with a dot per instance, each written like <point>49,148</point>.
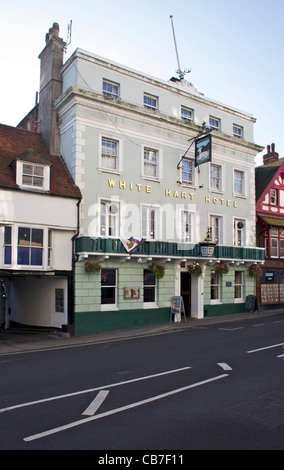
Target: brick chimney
<point>271,156</point>
<point>51,61</point>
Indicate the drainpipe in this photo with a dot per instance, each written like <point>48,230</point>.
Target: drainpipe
<point>72,281</point>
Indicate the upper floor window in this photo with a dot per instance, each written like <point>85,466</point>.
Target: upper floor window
<point>150,102</point>
<point>273,197</point>
<point>215,177</point>
<point>238,131</point>
<point>109,218</point>
<point>109,154</point>
<point>187,171</point>
<point>216,224</point>
<point>150,222</point>
<point>239,182</point>
<point>33,176</point>
<point>186,114</point>
<point>151,165</point>
<point>30,246</point>
<point>186,226</point>
<point>239,232</point>
<point>7,245</point>
<point>215,123</point>
<point>110,89</point>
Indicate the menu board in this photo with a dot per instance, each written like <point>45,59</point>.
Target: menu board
<point>270,293</point>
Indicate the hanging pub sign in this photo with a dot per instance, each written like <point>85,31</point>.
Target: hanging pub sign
<point>203,150</point>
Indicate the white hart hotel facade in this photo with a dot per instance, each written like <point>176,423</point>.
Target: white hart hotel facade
<point>125,137</point>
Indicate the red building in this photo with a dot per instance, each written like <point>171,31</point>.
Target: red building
<point>269,181</point>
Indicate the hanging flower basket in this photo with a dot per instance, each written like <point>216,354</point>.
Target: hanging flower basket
<point>194,269</point>
<point>158,270</point>
<point>222,268</point>
<point>255,270</point>
<point>93,267</point>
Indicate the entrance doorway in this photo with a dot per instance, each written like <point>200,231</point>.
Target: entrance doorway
<point>185,292</point>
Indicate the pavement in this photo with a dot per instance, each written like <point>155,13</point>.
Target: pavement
<point>14,341</point>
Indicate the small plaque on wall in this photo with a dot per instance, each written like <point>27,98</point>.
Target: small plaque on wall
<point>131,293</point>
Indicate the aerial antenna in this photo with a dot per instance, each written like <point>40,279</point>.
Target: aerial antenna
<point>69,32</point>
<point>179,71</point>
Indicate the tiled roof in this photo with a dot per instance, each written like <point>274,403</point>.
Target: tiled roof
<point>19,144</point>
<point>264,174</point>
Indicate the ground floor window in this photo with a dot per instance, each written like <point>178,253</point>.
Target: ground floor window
<point>215,286</point>
<point>238,285</point>
<point>150,287</point>
<point>108,287</point>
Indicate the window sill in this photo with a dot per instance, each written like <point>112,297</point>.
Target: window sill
<point>110,171</point>
<point>109,307</point>
<point>148,305</point>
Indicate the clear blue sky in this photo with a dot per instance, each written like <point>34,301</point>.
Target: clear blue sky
<point>234,49</point>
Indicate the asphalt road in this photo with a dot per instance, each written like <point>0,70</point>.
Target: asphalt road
<point>214,387</point>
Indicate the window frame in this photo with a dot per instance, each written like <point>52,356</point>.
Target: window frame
<point>217,126</point>
<point>109,305</point>
<point>148,105</point>
<point>119,157</point>
<point>30,248</point>
<point>7,247</point>
<point>184,116</point>
<point>184,172</point>
<point>212,178</point>
<point>236,134</point>
<point>239,285</point>
<point>151,303</point>
<point>108,93</point>
<point>146,163</point>
<point>116,215</point>
<point>242,192</point>
<point>20,173</point>
<point>220,238</point>
<point>217,285</point>
<point>146,227</point>
<point>237,231</point>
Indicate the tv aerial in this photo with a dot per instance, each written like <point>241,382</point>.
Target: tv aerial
<point>69,32</point>
<point>179,71</point>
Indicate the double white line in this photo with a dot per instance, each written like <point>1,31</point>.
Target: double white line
<point>103,392</point>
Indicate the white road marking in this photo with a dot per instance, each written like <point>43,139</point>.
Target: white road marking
<point>96,403</point>
<point>231,329</point>
<point>281,355</point>
<point>123,408</point>
<point>224,366</point>
<point>259,324</point>
<point>266,347</point>
<point>43,400</point>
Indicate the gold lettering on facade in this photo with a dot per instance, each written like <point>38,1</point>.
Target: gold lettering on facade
<point>111,183</point>
<point>170,193</point>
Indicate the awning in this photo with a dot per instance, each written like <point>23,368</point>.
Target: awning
<point>274,221</point>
